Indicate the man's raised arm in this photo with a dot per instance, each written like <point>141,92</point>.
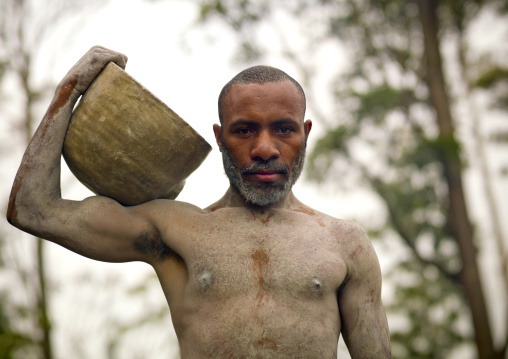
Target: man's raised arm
<point>97,227</point>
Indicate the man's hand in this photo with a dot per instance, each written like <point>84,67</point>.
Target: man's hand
<point>90,65</point>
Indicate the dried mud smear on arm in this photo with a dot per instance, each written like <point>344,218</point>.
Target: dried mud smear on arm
<point>63,97</point>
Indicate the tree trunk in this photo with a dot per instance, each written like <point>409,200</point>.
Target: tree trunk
<point>458,216</point>
<point>28,122</point>
<point>42,305</point>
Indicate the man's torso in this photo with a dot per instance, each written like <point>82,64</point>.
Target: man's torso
<point>244,283</point>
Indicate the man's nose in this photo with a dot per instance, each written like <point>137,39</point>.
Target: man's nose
<point>264,148</point>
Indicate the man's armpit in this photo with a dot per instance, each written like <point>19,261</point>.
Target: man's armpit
<point>151,244</point>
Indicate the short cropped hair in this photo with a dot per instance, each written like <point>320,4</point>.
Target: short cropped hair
<point>258,75</point>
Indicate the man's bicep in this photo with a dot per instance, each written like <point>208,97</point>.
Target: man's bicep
<point>363,319</point>
<point>99,228</point>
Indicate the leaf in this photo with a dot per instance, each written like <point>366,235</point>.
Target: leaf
<point>492,77</point>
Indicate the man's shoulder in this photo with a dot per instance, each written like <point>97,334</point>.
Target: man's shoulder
<point>339,225</point>
<point>167,207</point>
<point>349,228</point>
<point>357,247</point>
<point>343,230</point>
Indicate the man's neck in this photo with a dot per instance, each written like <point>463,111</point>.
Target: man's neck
<point>233,199</point>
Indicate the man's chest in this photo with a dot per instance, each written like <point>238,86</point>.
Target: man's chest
<point>262,257</point>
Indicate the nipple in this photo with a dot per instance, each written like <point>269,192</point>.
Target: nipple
<point>204,278</point>
<point>317,284</point>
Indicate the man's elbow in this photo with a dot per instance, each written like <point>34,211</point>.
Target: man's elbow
<point>12,211</point>
<point>12,208</point>
<point>21,213</point>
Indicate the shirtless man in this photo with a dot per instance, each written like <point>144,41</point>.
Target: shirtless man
<point>258,274</point>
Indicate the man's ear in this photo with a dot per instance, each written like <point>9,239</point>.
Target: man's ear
<point>307,125</point>
<point>217,130</point>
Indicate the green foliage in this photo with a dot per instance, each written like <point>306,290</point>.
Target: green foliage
<point>379,101</point>
<point>11,340</point>
<point>495,79</point>
<point>7,342</point>
<point>440,326</point>
<point>239,15</point>
<point>325,151</point>
<point>492,76</point>
<point>437,149</point>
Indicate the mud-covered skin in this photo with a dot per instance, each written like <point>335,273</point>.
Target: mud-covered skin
<point>265,284</point>
<point>241,282</point>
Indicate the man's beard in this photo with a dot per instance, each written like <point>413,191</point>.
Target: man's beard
<point>259,193</point>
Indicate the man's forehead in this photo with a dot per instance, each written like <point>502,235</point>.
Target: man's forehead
<point>268,91</point>
<point>282,96</point>
<point>265,86</point>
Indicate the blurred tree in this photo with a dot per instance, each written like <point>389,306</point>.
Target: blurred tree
<point>28,29</point>
<point>24,27</point>
<point>401,72</point>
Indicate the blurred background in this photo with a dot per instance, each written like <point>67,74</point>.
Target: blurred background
<point>410,107</point>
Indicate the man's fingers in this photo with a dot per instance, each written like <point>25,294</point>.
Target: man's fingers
<point>101,56</point>
<point>92,63</point>
<point>122,61</point>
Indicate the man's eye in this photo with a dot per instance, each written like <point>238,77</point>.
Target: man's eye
<point>243,131</point>
<point>284,130</point>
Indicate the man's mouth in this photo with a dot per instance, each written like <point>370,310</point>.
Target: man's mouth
<point>265,175</point>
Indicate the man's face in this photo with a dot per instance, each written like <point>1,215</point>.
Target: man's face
<point>263,140</point>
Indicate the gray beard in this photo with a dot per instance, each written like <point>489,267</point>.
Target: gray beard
<point>262,194</point>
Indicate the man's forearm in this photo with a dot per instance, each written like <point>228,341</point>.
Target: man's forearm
<point>37,181</point>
